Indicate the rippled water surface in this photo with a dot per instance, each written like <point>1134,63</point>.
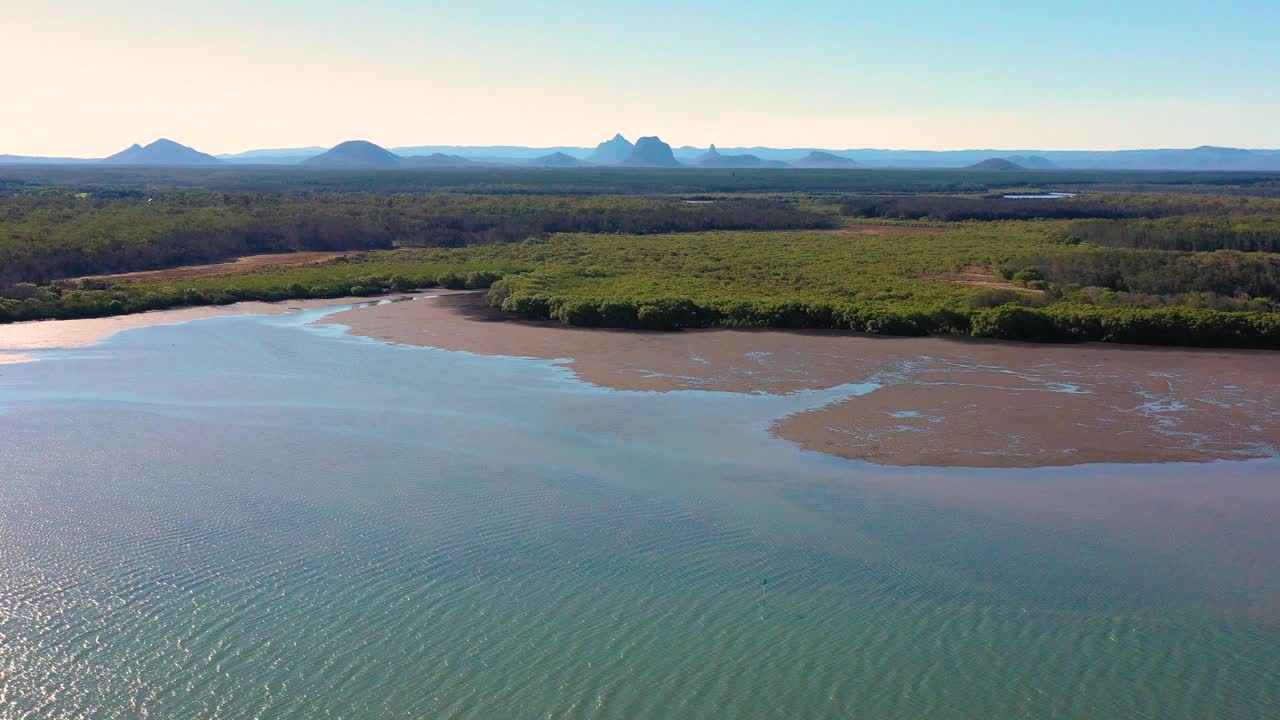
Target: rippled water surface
<point>253,518</point>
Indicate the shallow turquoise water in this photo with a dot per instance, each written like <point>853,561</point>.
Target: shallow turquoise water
<point>254,518</point>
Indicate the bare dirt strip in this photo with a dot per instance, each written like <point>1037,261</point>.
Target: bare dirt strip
<point>885,229</point>
<point>248,262</point>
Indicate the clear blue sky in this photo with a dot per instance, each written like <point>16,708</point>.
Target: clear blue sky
<point>89,77</point>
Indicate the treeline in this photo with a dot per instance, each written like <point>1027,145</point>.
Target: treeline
<point>617,181</point>
<point>127,241</point>
<point>1105,206</point>
<point>49,235</point>
<point>1151,272</point>
<point>1064,322</point>
<point>1188,234</point>
<point>459,220</point>
<point>1055,323</point>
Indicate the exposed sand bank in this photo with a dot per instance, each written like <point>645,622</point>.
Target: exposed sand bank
<point>942,401</point>
<point>16,339</point>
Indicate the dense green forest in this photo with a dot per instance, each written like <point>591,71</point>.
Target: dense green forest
<point>895,284</point>
<point>1192,234</point>
<point>1164,268</point>
<point>1113,205</point>
<point>1227,273</point>
<point>49,235</point>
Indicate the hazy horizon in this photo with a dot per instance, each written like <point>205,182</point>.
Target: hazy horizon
<point>675,144</point>
<point>93,80</point>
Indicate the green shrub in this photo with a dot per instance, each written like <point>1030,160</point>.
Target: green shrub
<point>451,281</point>
<point>995,297</point>
<point>480,280</point>
<point>1012,322</point>
<point>1027,275</point>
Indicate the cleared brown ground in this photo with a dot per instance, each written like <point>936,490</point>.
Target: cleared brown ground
<point>984,278</point>
<point>941,401</point>
<point>248,262</point>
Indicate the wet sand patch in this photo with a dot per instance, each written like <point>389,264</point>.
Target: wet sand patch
<point>16,339</point>
<point>991,426</point>
<point>942,401</point>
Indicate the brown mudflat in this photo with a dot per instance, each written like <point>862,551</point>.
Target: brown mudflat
<point>940,401</point>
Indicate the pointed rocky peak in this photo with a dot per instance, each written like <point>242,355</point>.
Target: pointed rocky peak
<point>711,155</point>
<point>611,152</point>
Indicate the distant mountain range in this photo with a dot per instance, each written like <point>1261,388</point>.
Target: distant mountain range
<point>653,152</point>
<point>714,159</point>
<point>278,156</point>
<point>366,155</point>
<point>436,160</point>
